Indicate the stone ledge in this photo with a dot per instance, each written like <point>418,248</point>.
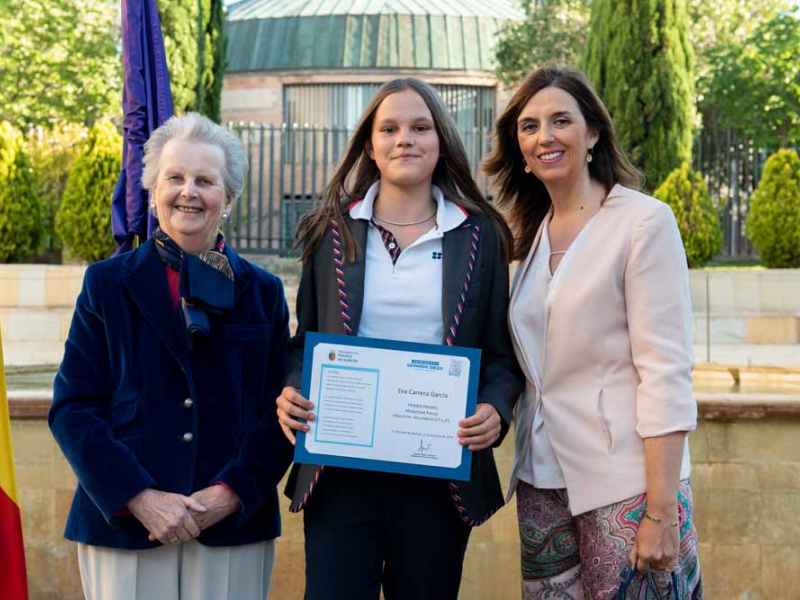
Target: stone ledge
<point>34,404</point>
<point>29,404</point>
<point>732,405</point>
<point>749,375</point>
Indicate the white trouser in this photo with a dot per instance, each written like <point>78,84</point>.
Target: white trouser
<point>189,571</point>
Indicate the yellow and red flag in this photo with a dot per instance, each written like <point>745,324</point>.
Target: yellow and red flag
<point>13,579</point>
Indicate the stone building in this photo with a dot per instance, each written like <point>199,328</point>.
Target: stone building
<point>301,72</point>
<point>318,62</point>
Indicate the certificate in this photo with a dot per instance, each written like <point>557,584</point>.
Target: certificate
<point>388,406</point>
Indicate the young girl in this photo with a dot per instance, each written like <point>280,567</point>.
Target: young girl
<point>413,252</point>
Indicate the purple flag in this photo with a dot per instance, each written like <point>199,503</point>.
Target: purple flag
<point>147,103</point>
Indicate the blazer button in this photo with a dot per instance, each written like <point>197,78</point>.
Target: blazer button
<point>187,437</point>
<point>188,403</point>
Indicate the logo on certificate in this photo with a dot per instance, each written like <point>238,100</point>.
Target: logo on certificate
<point>332,355</point>
<point>455,367</point>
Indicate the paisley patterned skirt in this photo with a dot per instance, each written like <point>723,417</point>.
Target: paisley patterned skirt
<point>585,557</point>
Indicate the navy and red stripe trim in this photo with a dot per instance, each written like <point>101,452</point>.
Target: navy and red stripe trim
<point>338,265</point>
<point>462,510</point>
<point>450,336</point>
<point>389,242</point>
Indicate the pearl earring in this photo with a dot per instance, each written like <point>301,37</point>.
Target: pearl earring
<point>589,156</point>
<point>527,168</point>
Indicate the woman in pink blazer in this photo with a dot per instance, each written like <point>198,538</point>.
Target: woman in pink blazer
<point>600,318</point>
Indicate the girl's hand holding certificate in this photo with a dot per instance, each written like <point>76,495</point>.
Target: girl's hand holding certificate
<point>292,406</point>
<point>481,430</point>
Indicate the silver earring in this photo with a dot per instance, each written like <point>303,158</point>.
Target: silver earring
<point>153,209</point>
<point>225,216</point>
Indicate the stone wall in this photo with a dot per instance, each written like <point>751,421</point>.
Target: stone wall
<point>746,481</point>
<point>36,304</point>
<point>746,306</point>
<point>45,485</point>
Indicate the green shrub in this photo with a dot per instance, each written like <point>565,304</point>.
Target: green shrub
<point>84,218</point>
<point>773,222</point>
<point>53,153</point>
<point>20,207</point>
<point>687,195</point>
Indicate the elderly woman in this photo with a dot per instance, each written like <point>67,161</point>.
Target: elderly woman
<point>600,318</point>
<point>163,402</point>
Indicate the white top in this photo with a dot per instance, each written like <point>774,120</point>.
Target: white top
<point>539,467</point>
<point>403,289</point>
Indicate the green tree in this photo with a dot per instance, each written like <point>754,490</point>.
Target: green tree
<point>52,153</point>
<point>552,30</point>
<point>773,222</point>
<point>181,26</point>
<point>754,87</point>
<point>20,211</point>
<point>687,195</point>
<point>717,25</point>
<point>640,61</point>
<point>84,218</point>
<point>213,50</point>
<point>59,61</point>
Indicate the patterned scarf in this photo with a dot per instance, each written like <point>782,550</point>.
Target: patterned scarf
<point>205,282</point>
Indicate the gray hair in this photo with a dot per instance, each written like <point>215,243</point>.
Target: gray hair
<point>196,127</point>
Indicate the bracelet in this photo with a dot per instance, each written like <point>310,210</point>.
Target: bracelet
<point>647,515</point>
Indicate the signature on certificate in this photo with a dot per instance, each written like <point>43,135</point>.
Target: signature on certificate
<point>423,447</point>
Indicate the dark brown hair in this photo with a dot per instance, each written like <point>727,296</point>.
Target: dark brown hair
<point>451,174</point>
<point>522,194</point>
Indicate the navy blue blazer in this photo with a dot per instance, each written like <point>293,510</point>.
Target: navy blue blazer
<point>134,408</point>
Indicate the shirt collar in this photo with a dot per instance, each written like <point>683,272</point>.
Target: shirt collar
<point>449,215</point>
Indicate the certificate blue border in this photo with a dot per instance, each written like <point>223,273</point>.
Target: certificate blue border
<point>460,473</point>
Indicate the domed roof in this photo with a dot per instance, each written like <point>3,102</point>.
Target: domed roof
<point>365,34</point>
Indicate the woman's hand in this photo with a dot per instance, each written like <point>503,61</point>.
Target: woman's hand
<point>656,545</point>
<point>292,406</point>
<point>166,515</point>
<point>219,502</point>
<point>481,430</point>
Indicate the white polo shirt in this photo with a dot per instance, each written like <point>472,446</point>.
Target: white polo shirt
<point>403,288</point>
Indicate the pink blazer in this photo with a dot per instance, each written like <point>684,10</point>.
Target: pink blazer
<point>617,352</point>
